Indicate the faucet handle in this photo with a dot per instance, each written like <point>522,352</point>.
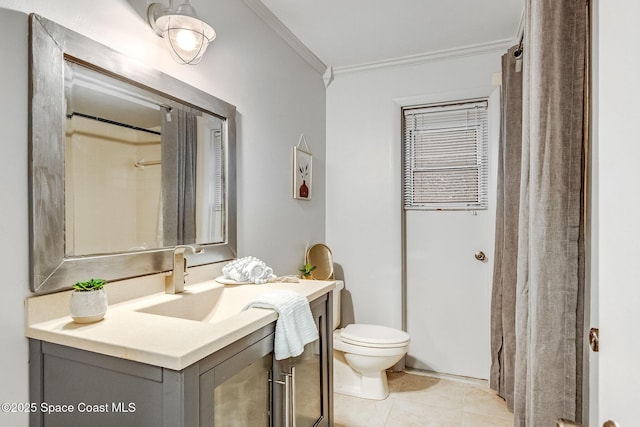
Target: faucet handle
<point>175,280</point>
<point>195,249</point>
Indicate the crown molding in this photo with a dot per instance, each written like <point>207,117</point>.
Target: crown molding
<point>440,55</point>
<point>276,25</point>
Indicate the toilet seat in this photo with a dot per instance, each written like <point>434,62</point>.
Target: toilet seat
<point>340,345</point>
<point>373,336</point>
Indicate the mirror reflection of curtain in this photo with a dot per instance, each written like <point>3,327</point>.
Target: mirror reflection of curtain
<point>543,335</point>
<point>186,141</point>
<point>179,142</point>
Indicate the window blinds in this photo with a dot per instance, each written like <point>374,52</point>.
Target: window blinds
<point>446,156</point>
<point>219,176</point>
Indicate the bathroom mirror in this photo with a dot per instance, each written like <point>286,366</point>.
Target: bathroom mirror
<point>125,163</point>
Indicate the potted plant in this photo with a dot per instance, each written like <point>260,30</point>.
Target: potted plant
<point>306,271</point>
<point>88,301</point>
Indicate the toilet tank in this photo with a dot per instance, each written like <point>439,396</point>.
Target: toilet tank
<point>336,303</point>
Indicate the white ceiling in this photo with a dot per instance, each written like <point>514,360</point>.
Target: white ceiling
<point>352,32</point>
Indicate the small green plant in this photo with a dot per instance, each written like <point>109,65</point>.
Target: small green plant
<point>306,270</point>
<point>90,285</point>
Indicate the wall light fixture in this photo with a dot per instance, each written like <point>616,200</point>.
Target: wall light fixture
<point>187,36</point>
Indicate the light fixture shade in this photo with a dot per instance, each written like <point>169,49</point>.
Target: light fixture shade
<point>187,36</point>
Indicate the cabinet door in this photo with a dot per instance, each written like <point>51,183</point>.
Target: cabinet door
<point>237,392</point>
<point>302,393</point>
<point>304,375</point>
<point>243,400</point>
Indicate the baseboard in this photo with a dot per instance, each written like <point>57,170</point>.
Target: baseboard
<point>433,374</point>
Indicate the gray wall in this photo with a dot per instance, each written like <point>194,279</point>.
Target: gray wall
<point>14,233</point>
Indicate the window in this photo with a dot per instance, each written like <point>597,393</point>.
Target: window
<point>446,156</point>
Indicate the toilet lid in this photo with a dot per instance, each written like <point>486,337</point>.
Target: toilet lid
<point>373,336</point>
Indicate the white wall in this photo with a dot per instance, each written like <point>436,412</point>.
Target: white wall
<point>617,85</point>
<point>363,170</point>
<point>278,96</point>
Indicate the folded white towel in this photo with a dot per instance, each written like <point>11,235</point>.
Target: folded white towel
<point>295,326</point>
<point>248,269</point>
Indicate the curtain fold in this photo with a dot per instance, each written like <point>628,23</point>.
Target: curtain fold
<point>547,379</point>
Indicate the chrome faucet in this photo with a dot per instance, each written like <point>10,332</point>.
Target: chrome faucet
<point>174,282</point>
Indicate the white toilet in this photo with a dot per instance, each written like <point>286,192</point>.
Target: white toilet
<point>362,353</point>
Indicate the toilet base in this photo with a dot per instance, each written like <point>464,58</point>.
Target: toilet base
<point>372,385</point>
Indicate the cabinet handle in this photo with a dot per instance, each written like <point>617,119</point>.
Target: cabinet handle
<point>292,380</point>
<point>289,397</point>
<point>270,401</point>
<point>287,400</point>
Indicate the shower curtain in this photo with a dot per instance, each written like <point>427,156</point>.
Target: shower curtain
<point>503,333</point>
<point>537,326</point>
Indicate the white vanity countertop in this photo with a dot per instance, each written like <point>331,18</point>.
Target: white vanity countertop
<point>170,342</point>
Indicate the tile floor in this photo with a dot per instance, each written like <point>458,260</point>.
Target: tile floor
<point>420,400</point>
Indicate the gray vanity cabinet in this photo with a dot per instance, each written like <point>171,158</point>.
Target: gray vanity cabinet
<point>240,385</point>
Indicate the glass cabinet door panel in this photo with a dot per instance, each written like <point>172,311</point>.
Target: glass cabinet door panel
<point>244,399</point>
<point>305,373</point>
<point>308,386</point>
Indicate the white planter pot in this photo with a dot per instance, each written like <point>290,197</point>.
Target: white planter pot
<point>88,306</point>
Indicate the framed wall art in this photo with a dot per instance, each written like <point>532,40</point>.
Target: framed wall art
<point>302,170</point>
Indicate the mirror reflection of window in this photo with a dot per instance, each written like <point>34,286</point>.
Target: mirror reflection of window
<point>209,181</point>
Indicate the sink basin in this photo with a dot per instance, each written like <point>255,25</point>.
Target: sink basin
<point>204,303</point>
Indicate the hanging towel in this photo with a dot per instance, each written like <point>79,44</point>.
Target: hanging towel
<point>295,326</point>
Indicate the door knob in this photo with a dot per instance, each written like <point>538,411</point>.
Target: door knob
<point>480,256</point>
<point>594,339</point>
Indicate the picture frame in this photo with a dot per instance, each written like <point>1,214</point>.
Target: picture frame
<point>302,173</point>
